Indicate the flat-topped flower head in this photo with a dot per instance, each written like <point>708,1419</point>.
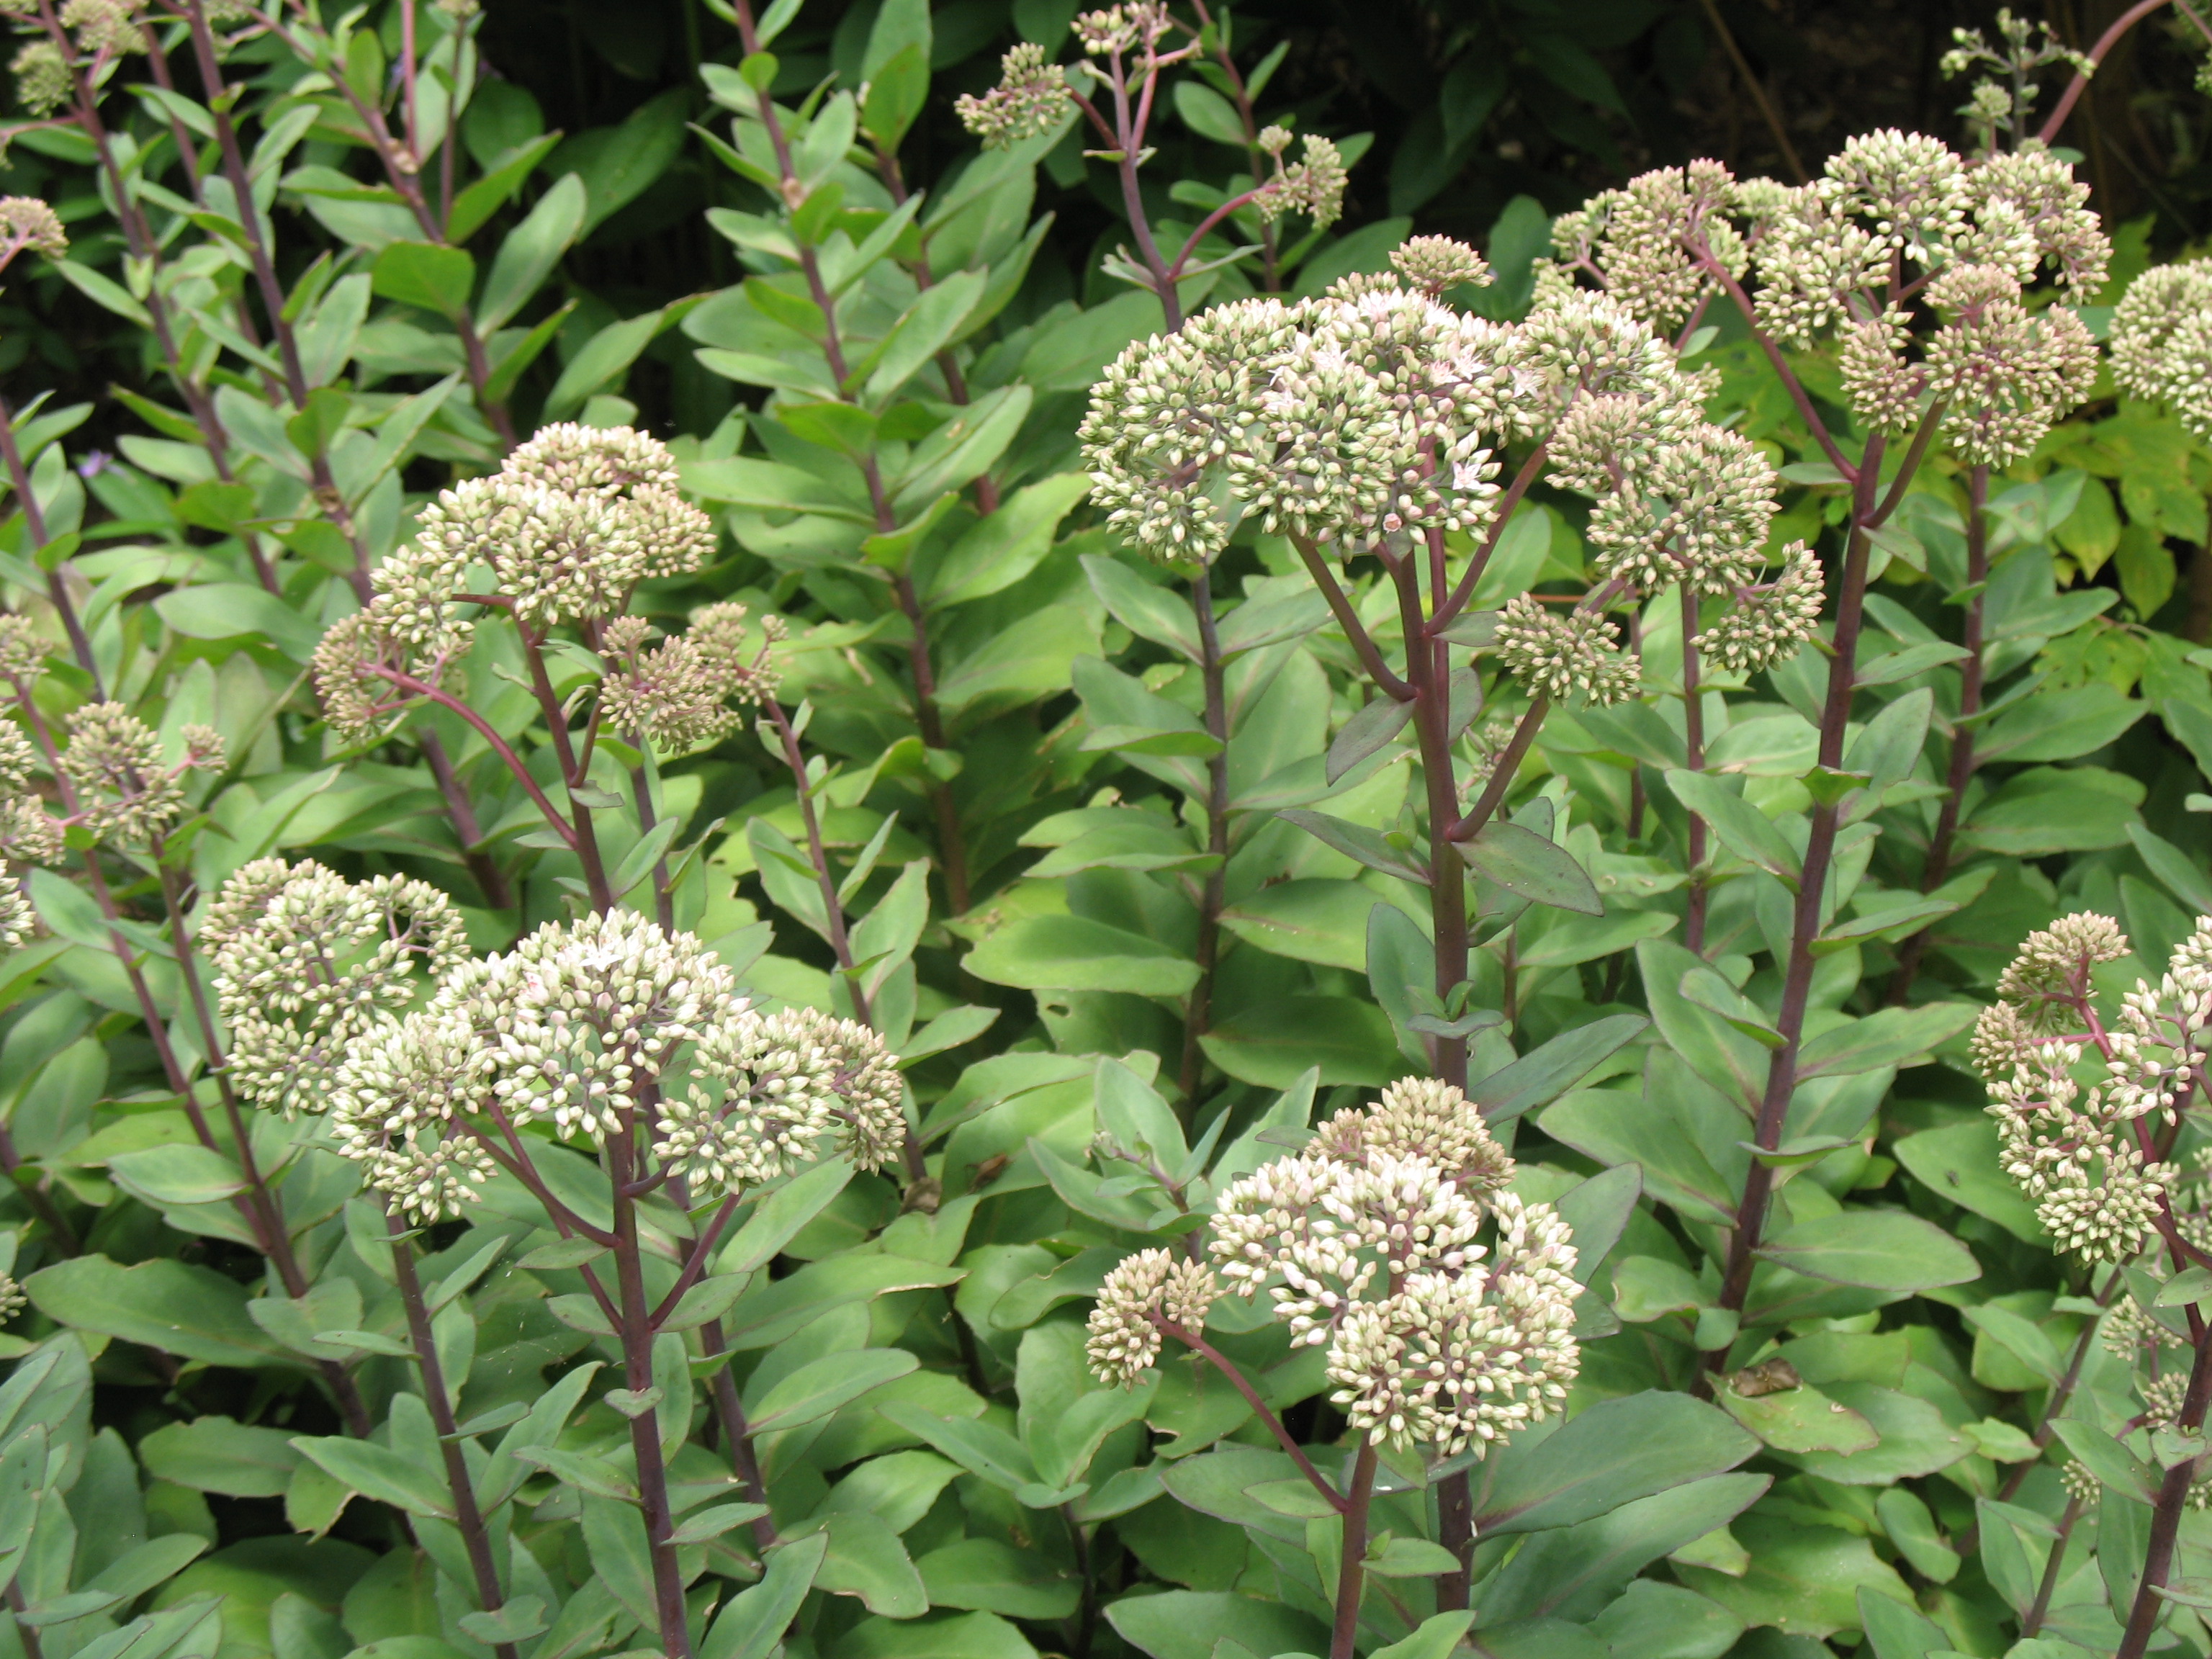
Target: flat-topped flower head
<point>305,963</point>
<point>1370,1245</point>
<point>124,789</point>
<point>680,694</point>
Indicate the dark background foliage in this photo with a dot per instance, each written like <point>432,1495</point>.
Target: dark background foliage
<point>1470,103</point>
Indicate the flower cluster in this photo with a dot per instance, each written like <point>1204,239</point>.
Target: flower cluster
<point>1030,100</point>
<point>1367,1242</point>
<point>605,1026</point>
<point>43,81</point>
<point>2089,1157</point>
<point>119,787</point>
<point>678,695</point>
<point>306,963</point>
<point>27,222</point>
<point>1375,414</point>
<point>1895,218</point>
<point>562,533</point>
<point>2161,341</point>
<point>1313,185</point>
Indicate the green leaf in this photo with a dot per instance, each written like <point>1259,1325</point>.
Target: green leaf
<point>477,203</point>
<point>1742,828</point>
<point>162,1175</point>
<point>1652,1620</point>
<point>1208,114</point>
<point>778,1215</point>
<point>174,1306</point>
<point>424,274</point>
<point>1073,953</point>
<point>1365,733</point>
<point>607,356</point>
<point>227,610</point>
<point>2055,726</point>
<point>1611,1453</point>
<point>1361,844</point>
<point>1274,1043</point>
<point>217,1454</point>
<point>825,1385</point>
<point>530,250</point>
<point>1959,1162</point>
<point>1145,608</point>
<point>380,1472</point>
<point>1891,1037</point>
<point>617,165</point>
<point>1877,1249</point>
<point>984,1576</point>
<point>1006,545</point>
<point>518,1619</point>
<point>1800,1419</point>
<point>2117,1467</point>
<point>1315,919</point>
<point>896,92</point>
<point>922,331</point>
<point>752,1623</point>
<point>1804,1579</point>
<point>1547,1072</point>
<point>866,1560</point>
<point>1524,863</point>
<point>1914,1440</point>
<point>1186,1624</point>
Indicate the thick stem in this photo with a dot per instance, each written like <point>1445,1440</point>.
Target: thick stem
<point>1340,605</point>
<point>1429,667</point>
<point>817,854</point>
<point>475,1537</point>
<point>2165,1515</point>
<point>1805,929</point>
<point>1961,772</point>
<point>1212,894</point>
<point>2032,1621</point>
<point>1693,743</point>
<point>1351,1565</point>
<point>2110,38</point>
<point>491,881</point>
<point>636,1329</point>
<point>731,1412</point>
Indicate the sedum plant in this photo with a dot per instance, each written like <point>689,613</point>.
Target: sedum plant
<point>1262,948</point>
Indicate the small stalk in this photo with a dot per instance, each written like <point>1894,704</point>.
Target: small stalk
<point>730,1413</point>
<point>1805,929</point>
<point>951,844</point>
<point>634,1329</point>
<point>2032,1621</point>
<point>1351,1565</point>
<point>2171,1503</point>
<point>1693,738</point>
<point>1963,760</point>
<point>467,1517</point>
<point>1212,898</point>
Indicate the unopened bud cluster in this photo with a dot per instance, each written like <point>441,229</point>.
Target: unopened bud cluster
<point>1376,415</point>
<point>562,533</point>
<point>2161,341</point>
<point>1370,1242</point>
<point>360,1001</point>
<point>1895,215</point>
<point>2079,1099</point>
<point>679,694</point>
